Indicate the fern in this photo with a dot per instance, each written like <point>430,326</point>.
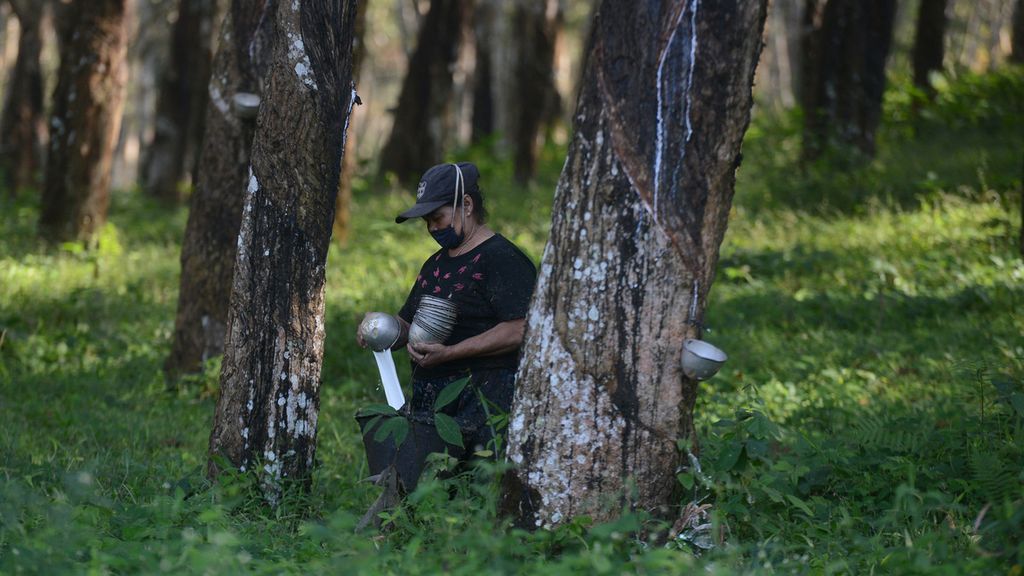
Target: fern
<point>901,434</point>
<point>994,479</point>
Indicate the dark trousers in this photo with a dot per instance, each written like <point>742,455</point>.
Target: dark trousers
<point>496,385</point>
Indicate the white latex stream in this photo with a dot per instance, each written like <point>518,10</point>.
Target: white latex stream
<point>389,377</point>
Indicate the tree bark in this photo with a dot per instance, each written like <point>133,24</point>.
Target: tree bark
<point>1017,34</point>
<point>170,158</point>
<point>209,248</point>
<point>416,140</point>
<point>536,27</point>
<point>22,126</point>
<point>515,92</point>
<point>343,205</point>
<point>929,43</point>
<point>774,82</point>
<point>639,214</point>
<point>266,418</point>
<point>846,44</point>
<point>485,14</point>
<point>86,119</point>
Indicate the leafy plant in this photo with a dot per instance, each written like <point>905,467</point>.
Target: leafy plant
<point>447,428</point>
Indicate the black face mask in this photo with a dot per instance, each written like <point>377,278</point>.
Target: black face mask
<point>448,238</point>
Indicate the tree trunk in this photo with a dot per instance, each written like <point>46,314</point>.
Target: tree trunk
<point>846,44</point>
<point>85,120</point>
<point>343,205</point>
<point>22,126</point>
<point>416,137</point>
<point>929,43</point>
<point>536,26</point>
<point>181,102</point>
<point>775,80</point>
<point>485,14</point>
<point>639,214</point>
<point>1017,34</point>
<point>266,417</point>
<point>208,251</point>
<point>515,92</point>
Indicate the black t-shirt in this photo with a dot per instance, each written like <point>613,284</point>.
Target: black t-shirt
<point>491,284</point>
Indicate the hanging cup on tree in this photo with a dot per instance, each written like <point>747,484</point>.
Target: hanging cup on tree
<point>701,360</point>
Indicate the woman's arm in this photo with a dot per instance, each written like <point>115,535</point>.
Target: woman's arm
<point>504,338</point>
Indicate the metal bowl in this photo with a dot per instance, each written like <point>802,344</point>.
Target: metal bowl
<point>419,335</point>
<point>701,360</point>
<point>380,331</point>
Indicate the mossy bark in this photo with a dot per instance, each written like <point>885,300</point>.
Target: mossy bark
<point>266,417</point>
<point>640,211</point>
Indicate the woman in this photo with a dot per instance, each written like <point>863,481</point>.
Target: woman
<point>490,280</point>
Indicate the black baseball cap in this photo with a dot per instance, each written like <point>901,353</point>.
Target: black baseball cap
<point>438,187</point>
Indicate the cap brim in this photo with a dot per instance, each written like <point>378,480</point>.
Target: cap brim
<point>420,209</point>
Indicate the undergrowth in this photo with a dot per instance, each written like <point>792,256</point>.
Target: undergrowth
<point>870,418</point>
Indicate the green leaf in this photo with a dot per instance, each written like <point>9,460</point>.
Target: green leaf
<point>686,480</point>
<point>1017,400</point>
<point>373,422</point>
<point>377,409</point>
<point>448,429</point>
<point>800,504</point>
<point>398,427</point>
<point>729,455</point>
<point>401,432</point>
<point>450,393</point>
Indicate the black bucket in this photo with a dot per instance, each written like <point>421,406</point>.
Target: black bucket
<point>409,459</point>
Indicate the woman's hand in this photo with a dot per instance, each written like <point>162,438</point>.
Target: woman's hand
<point>428,354</point>
<point>359,337</point>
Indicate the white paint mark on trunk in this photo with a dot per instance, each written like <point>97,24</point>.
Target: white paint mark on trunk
<point>300,60</point>
<point>218,99</point>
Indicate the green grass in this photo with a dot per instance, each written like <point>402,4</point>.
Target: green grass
<point>870,419</point>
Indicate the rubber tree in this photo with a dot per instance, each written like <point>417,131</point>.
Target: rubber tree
<point>639,213</point>
<point>929,41</point>
<point>215,213</point>
<point>86,119</point>
<point>169,159</point>
<point>343,205</point>
<point>266,415</point>
<point>1017,33</point>
<point>845,47</point>
<point>515,93</point>
<point>424,103</point>
<point>536,27</point>
<point>22,122</point>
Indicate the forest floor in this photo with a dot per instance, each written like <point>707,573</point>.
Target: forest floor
<point>870,418</point>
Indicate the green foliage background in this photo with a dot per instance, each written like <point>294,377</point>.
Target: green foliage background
<point>870,419</point>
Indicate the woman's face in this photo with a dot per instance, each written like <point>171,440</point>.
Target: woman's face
<point>442,217</point>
